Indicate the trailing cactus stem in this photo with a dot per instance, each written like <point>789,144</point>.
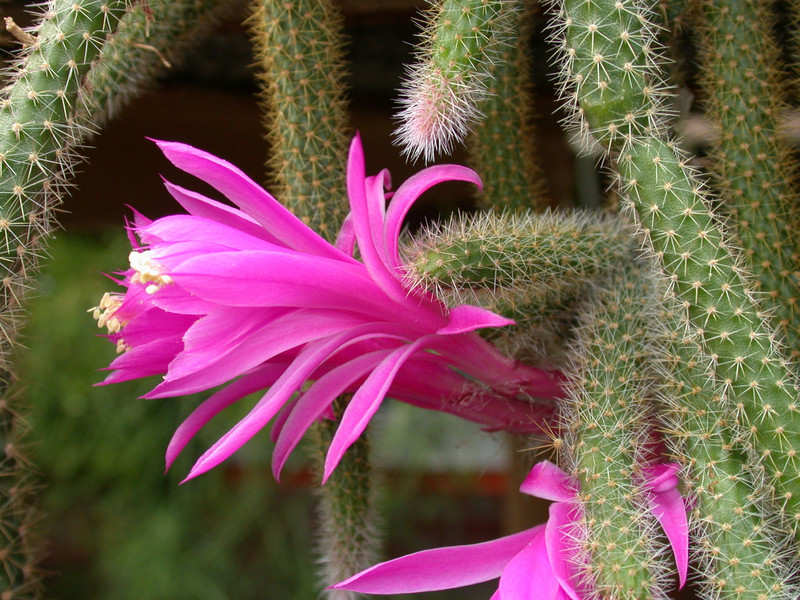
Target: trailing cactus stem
<point>299,44</point>
<point>753,166</point>
<point>145,44</point>
<point>740,548</point>
<point>441,95</point>
<point>502,144</point>
<point>349,539</point>
<point>721,312</point>
<point>607,424</point>
<point>608,49</point>
<point>545,255</point>
<point>37,130</point>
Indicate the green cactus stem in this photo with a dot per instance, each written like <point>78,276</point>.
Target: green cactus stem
<point>608,48</point>
<point>299,44</point>
<point>522,255</point>
<point>740,552</point>
<point>37,130</point>
<point>146,43</point>
<point>348,518</point>
<point>753,167</point>
<point>502,143</point>
<point>607,424</point>
<point>440,98</point>
<point>300,48</point>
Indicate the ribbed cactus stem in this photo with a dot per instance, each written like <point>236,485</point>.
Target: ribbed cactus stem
<point>607,419</point>
<point>146,43</point>
<point>442,93</point>
<point>740,549</point>
<point>502,145</point>
<point>608,48</point>
<point>754,168</point>
<point>300,49</point>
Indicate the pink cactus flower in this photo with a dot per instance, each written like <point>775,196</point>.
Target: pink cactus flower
<point>253,298</point>
<point>535,564</point>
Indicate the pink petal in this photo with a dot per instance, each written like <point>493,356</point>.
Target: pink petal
<point>143,361</point>
<point>465,318</point>
<point>558,536</point>
<point>549,482</point>
<point>249,196</point>
<point>440,568</point>
<point>200,206</point>
<point>529,576</point>
<point>667,505</point>
<point>313,403</point>
<point>208,409</point>
<point>187,228</point>
<point>367,219</point>
<point>408,193</point>
<point>211,366</point>
<point>289,382</point>
<point>346,240</point>
<point>365,403</point>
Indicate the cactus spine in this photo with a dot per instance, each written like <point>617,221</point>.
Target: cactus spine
<point>608,51</point>
<point>501,146</point>
<point>607,420</point>
<point>441,96</point>
<point>300,49</point>
<point>754,168</point>
<point>37,121</point>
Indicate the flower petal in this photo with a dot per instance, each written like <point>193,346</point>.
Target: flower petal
<point>208,409</point>
<point>313,402</point>
<point>408,193</point>
<point>440,568</point>
<point>365,403</point>
<point>249,196</point>
<point>667,505</point>
<point>529,576</point>
<point>465,318</point>
<point>549,482</point>
<point>558,536</point>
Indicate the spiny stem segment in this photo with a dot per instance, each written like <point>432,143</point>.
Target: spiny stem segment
<point>608,50</point>
<point>753,165</point>
<point>146,43</point>
<point>441,96</point>
<point>300,49</point>
<point>502,145</point>
<point>741,549</point>
<point>37,131</point>
<point>530,267</point>
<point>607,423</point>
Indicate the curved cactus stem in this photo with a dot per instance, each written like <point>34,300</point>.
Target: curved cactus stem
<point>609,56</point>
<point>441,96</point>
<point>37,132</point>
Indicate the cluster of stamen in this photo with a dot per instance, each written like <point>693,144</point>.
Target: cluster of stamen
<point>148,272</point>
<point>104,312</point>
